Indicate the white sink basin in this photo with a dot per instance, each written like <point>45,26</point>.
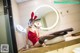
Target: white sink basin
<point>76,50</point>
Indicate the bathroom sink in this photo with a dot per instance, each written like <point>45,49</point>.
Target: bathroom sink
<point>76,50</point>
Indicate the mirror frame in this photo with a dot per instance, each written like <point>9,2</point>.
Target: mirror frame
<point>57,20</point>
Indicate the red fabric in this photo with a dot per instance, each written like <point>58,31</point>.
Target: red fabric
<point>32,36</point>
<point>32,15</point>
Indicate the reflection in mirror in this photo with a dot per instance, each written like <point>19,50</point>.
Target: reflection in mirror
<point>49,19</point>
<point>48,16</point>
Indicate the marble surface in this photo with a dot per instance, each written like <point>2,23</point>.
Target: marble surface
<point>52,47</point>
<point>71,38</point>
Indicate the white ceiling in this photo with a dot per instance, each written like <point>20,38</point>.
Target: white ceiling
<point>21,1</point>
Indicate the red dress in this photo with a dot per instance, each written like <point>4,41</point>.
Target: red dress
<point>32,36</point>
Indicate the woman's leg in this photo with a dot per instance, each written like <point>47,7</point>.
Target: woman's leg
<point>50,36</point>
<point>42,38</point>
<point>37,44</point>
<point>55,34</point>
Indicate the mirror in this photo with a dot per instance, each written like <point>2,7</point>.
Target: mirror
<point>48,16</point>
